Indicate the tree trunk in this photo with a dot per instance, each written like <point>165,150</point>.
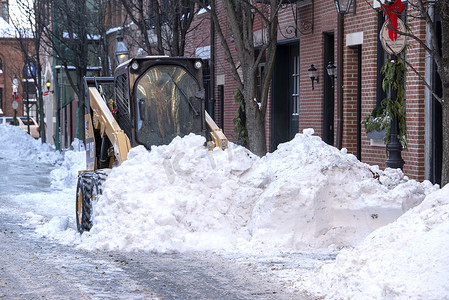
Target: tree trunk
<point>444,75</point>
<point>241,16</point>
<point>255,123</point>
<point>39,94</point>
<point>445,122</point>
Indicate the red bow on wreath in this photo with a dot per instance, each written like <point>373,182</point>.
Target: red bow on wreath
<point>392,10</point>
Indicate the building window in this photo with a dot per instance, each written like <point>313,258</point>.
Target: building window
<point>260,74</point>
<point>1,101</point>
<point>295,87</point>
<point>1,66</point>
<point>29,71</point>
<point>5,11</point>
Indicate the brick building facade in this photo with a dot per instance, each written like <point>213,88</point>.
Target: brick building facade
<point>12,64</point>
<point>308,34</point>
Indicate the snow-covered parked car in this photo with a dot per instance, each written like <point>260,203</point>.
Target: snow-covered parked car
<point>23,123</point>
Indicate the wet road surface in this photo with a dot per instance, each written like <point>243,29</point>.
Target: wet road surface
<point>33,267</point>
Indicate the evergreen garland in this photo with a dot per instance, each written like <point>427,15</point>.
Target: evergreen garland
<point>380,119</point>
<point>394,76</point>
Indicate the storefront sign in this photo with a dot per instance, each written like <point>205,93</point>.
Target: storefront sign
<point>393,45</point>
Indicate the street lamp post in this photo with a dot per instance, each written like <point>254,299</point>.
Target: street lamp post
<point>25,89</point>
<point>393,45</point>
<point>29,73</point>
<point>394,147</point>
<point>15,103</point>
<point>121,51</point>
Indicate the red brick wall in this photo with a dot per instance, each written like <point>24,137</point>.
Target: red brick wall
<point>311,52</point>
<point>223,69</point>
<point>350,84</point>
<point>13,63</point>
<point>366,20</point>
<point>199,35</point>
<point>415,106</point>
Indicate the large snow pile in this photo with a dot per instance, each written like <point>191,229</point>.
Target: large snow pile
<point>317,196</point>
<point>175,198</point>
<point>306,194</point>
<point>16,143</point>
<point>407,259</point>
<point>181,197</point>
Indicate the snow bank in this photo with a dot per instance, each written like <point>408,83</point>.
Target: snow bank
<point>317,196</point>
<point>307,194</point>
<point>16,143</point>
<point>407,259</point>
<point>181,197</point>
<point>66,174</point>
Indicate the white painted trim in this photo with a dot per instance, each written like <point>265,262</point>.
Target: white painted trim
<point>354,39</point>
<point>220,80</point>
<point>377,143</point>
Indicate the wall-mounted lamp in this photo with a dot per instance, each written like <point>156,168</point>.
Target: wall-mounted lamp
<point>331,72</point>
<point>313,75</point>
<point>48,85</point>
<point>15,85</point>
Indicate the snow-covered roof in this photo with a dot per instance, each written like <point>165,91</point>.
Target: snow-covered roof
<point>66,35</point>
<point>9,31</point>
<point>74,68</point>
<point>115,29</point>
<point>6,29</point>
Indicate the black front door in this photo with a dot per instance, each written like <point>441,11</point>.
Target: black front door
<point>328,107</point>
<point>285,94</point>
<point>436,121</point>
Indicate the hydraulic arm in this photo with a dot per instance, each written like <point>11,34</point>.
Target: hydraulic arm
<point>216,135</point>
<point>104,121</point>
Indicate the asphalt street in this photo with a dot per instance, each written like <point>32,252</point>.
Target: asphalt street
<point>35,267</point>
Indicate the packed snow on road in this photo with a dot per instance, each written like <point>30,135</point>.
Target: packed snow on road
<point>390,233</point>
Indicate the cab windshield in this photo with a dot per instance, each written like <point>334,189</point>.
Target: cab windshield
<point>166,105</point>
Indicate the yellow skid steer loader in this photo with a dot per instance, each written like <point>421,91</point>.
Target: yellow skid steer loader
<point>149,101</point>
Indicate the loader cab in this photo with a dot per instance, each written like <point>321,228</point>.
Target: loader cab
<point>159,98</point>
